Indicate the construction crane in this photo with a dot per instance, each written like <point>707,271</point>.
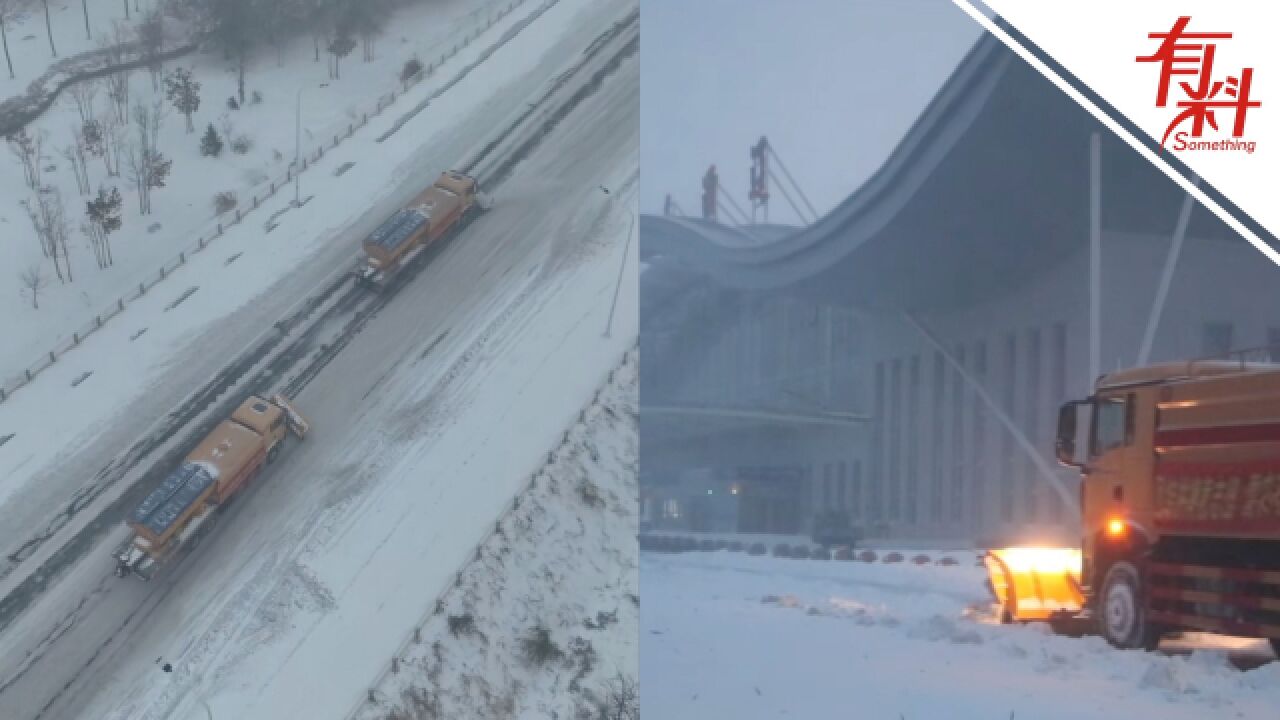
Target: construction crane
<point>762,172</point>
<point>715,201</point>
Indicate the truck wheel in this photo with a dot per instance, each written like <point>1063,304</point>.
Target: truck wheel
<point>273,453</point>
<point>1121,615</point>
<point>1275,646</point>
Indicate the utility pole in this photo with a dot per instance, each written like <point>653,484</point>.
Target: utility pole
<point>626,250</point>
<point>297,149</point>
<point>1095,257</point>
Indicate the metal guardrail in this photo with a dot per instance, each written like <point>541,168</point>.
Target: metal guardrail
<point>220,223</point>
<point>435,607</point>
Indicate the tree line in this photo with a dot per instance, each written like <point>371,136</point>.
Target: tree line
<point>240,27</point>
<point>123,136</point>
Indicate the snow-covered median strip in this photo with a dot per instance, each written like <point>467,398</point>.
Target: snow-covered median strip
<point>729,635</point>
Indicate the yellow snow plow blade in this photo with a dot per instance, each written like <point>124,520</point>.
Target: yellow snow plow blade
<point>1035,583</point>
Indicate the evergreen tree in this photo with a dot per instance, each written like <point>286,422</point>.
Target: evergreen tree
<point>211,143</point>
<point>184,92</point>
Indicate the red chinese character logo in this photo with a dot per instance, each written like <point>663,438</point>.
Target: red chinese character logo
<point>1183,53</point>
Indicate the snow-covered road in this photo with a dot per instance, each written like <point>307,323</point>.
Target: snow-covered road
<point>144,363</point>
<point>424,428</point>
<point>729,635</point>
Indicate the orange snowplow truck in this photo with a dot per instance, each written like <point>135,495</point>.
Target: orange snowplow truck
<point>1180,500</point>
<point>406,234</point>
<point>184,507</point>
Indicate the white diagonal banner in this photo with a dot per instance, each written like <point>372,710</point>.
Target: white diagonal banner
<point>1219,109</point>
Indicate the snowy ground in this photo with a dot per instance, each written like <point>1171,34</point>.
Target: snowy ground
<point>245,283</point>
<point>29,40</point>
<point>563,558</point>
<point>424,428</point>
<point>183,210</point>
<point>728,635</point>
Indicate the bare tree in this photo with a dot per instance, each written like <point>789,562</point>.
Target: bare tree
<point>37,152</point>
<point>118,81</point>
<point>621,700</point>
<point>151,39</point>
<point>149,120</point>
<point>138,164</point>
<point>74,153</point>
<point>48,25</point>
<point>148,167</point>
<point>234,24</point>
<point>49,221</point>
<point>84,5</point>
<point>11,11</point>
<point>27,149</point>
<point>340,46</point>
<point>84,93</point>
<point>33,281</point>
<point>365,18</point>
<point>103,139</point>
<point>117,137</point>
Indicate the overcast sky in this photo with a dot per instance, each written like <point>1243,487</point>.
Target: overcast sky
<point>834,84</point>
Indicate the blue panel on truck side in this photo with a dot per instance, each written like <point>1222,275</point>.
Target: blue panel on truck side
<point>166,503</point>
<point>398,229</point>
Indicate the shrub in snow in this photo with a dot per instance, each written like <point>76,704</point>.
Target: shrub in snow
<point>800,551</point>
<point>948,561</point>
<point>820,553</point>
<point>707,545</point>
<point>538,648</point>
<point>412,67</point>
<point>589,493</point>
<point>224,201</point>
<point>867,556</point>
<point>256,98</point>
<point>418,705</point>
<point>721,544</point>
<point>893,557</point>
<point>583,657</point>
<point>242,144</point>
<point>463,624</point>
<point>602,621</point>
<point>621,700</point>
<point>211,142</point>
<point>844,553</point>
<point>735,546</point>
<point>921,559</point>
<point>756,549</point>
<point>782,550</point>
<point>688,544</point>
<point>232,104</point>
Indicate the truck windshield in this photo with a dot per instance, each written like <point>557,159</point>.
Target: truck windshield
<point>1110,425</point>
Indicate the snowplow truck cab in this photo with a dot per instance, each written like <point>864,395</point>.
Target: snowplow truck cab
<point>1180,502</point>
<point>426,219</point>
<point>177,513</point>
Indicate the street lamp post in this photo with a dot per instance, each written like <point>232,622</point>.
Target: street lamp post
<point>297,148</point>
<point>626,250</point>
